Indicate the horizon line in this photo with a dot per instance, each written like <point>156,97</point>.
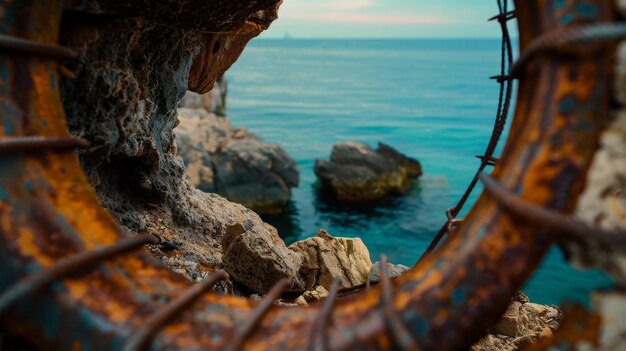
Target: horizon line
<point>380,38</point>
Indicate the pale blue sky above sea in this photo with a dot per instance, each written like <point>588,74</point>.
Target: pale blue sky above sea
<point>385,19</point>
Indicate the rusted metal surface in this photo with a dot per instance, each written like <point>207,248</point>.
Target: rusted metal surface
<point>248,327</point>
<point>142,338</point>
<point>318,340</point>
<point>63,268</point>
<point>568,228</point>
<point>35,143</point>
<point>581,40</point>
<point>400,336</point>
<point>11,43</point>
<point>48,212</point>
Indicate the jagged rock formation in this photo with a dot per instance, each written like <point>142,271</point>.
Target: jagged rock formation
<point>393,270</point>
<point>126,106</point>
<point>231,161</point>
<point>327,257</point>
<point>259,258</point>
<point>522,323</point>
<point>358,173</point>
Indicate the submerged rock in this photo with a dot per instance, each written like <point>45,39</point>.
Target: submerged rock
<point>233,162</point>
<point>326,257</point>
<point>356,172</point>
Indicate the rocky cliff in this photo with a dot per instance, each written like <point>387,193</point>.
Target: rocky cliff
<point>135,67</point>
<point>232,161</point>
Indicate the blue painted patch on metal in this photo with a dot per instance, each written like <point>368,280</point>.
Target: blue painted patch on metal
<point>4,74</point>
<point>8,127</point>
<point>559,4</point>
<point>32,268</point>
<point>419,323</point>
<point>4,196</point>
<point>586,9</point>
<point>458,296</point>
<point>53,80</point>
<point>567,105</point>
<point>565,19</point>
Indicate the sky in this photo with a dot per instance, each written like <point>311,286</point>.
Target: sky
<point>385,19</point>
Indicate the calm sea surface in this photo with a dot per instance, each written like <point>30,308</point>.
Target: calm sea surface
<point>430,99</point>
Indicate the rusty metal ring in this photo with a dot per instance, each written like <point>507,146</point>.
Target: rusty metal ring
<point>48,211</point>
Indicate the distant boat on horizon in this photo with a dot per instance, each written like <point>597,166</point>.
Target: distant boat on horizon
<point>287,36</point>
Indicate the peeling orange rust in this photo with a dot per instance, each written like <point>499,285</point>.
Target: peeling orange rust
<point>49,212</point>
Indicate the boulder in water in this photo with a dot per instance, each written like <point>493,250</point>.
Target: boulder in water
<point>356,172</point>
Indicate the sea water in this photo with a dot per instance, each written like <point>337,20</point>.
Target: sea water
<point>429,99</point>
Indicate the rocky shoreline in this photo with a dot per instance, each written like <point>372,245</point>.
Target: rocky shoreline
<point>231,162</point>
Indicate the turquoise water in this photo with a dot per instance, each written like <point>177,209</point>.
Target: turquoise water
<point>430,99</point>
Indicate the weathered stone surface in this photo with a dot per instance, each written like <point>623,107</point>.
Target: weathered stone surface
<point>510,322</point>
<point>301,301</point>
<point>603,202</point>
<point>233,162</point>
<point>213,102</point>
<point>126,106</point>
<point>394,270</point>
<point>326,257</point>
<point>611,305</point>
<point>355,172</point>
<point>256,256</point>
<point>522,323</point>
<point>316,294</point>
<point>255,174</point>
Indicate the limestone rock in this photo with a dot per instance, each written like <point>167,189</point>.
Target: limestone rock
<point>213,101</point>
<point>124,100</point>
<point>255,174</point>
<point>326,257</point>
<point>355,172</point>
<point>301,301</point>
<point>510,322</point>
<point>393,269</point>
<point>522,323</point>
<point>603,202</point>
<point>258,258</point>
<point>316,294</point>
<point>233,162</point>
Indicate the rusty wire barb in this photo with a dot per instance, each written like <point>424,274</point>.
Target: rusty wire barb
<point>12,43</point>
<point>142,338</point>
<point>247,328</point>
<point>504,104</point>
<point>80,262</point>
<point>554,221</point>
<point>38,143</point>
<point>581,40</point>
<point>318,339</point>
<point>398,332</point>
